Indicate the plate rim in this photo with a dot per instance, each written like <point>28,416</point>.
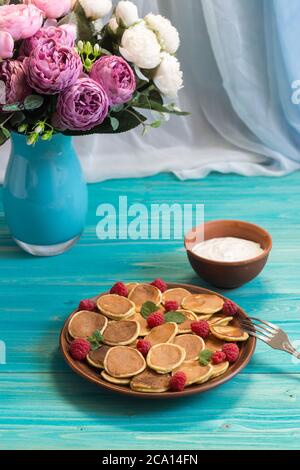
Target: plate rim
<point>193,390</point>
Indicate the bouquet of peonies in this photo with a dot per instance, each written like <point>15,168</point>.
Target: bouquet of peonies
<point>64,69</point>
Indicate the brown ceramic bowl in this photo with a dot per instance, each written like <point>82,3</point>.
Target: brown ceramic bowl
<point>228,275</point>
<point>93,375</point>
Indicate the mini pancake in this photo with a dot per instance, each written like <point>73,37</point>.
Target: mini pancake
<point>192,345</point>
<point>195,373</point>
<point>113,380</point>
<point>144,293</point>
<point>165,357</point>
<point>84,323</point>
<point>177,294</point>
<point>216,320</point>
<point>144,329</point>
<point>130,286</point>
<point>219,369</point>
<point>96,358</point>
<point>162,334</point>
<point>121,332</point>
<point>150,381</point>
<point>204,317</point>
<point>229,333</point>
<point>115,306</point>
<point>213,344</point>
<point>123,361</point>
<point>205,304</point>
<point>185,327</point>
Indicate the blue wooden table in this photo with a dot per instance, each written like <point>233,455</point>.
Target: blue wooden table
<point>43,405</point>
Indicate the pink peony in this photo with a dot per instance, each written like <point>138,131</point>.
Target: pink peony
<point>6,45</point>
<point>51,68</point>
<point>82,106</point>
<point>52,8</point>
<point>13,76</point>
<point>61,36</point>
<point>116,77</point>
<point>21,21</point>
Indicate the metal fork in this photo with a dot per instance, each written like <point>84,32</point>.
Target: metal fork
<point>270,334</point>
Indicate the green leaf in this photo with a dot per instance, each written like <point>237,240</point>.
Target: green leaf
<point>95,340</point>
<point>128,119</point>
<point>5,132</point>
<point>94,345</point>
<point>33,102</point>
<point>205,357</point>
<point>150,104</point>
<point>3,138</point>
<point>154,95</point>
<point>156,124</point>
<point>114,123</point>
<point>148,308</point>
<point>12,107</point>
<point>98,336</point>
<point>174,317</point>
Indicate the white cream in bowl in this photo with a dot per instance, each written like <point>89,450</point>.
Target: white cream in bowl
<point>228,249</point>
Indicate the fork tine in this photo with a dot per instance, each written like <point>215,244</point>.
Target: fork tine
<point>262,324</point>
<point>257,329</point>
<point>270,325</point>
<point>256,335</point>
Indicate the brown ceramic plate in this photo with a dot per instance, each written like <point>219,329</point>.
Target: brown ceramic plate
<point>93,375</point>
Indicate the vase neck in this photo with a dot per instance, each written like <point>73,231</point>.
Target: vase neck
<point>41,149</point>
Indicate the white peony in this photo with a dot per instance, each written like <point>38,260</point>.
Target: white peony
<point>113,25</point>
<point>167,34</point>
<point>140,46</point>
<point>126,13</point>
<point>95,9</point>
<point>168,77</point>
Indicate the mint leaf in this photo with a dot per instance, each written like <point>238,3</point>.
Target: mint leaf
<point>148,308</point>
<point>95,340</point>
<point>98,336</point>
<point>174,317</point>
<point>94,345</point>
<point>205,357</point>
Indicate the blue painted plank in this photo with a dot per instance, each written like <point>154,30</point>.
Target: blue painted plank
<point>44,405</point>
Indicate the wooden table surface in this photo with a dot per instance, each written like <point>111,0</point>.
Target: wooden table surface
<point>44,405</point>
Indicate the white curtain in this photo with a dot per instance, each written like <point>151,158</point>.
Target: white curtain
<point>236,125</point>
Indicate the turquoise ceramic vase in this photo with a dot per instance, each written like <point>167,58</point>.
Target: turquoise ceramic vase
<point>45,195</point>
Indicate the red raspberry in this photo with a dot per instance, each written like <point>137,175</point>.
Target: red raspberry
<point>79,349</point>
<point>120,289</point>
<point>201,328</point>
<point>87,304</point>
<point>177,381</point>
<point>232,351</point>
<point>230,308</point>
<point>160,284</point>
<point>143,346</point>
<point>155,319</point>
<point>171,305</point>
<point>218,357</point>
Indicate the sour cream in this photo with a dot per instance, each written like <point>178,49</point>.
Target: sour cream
<point>228,249</point>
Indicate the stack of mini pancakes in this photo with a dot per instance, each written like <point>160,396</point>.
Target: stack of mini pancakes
<point>174,347</point>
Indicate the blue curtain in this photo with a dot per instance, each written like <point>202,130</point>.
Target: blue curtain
<point>256,48</point>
